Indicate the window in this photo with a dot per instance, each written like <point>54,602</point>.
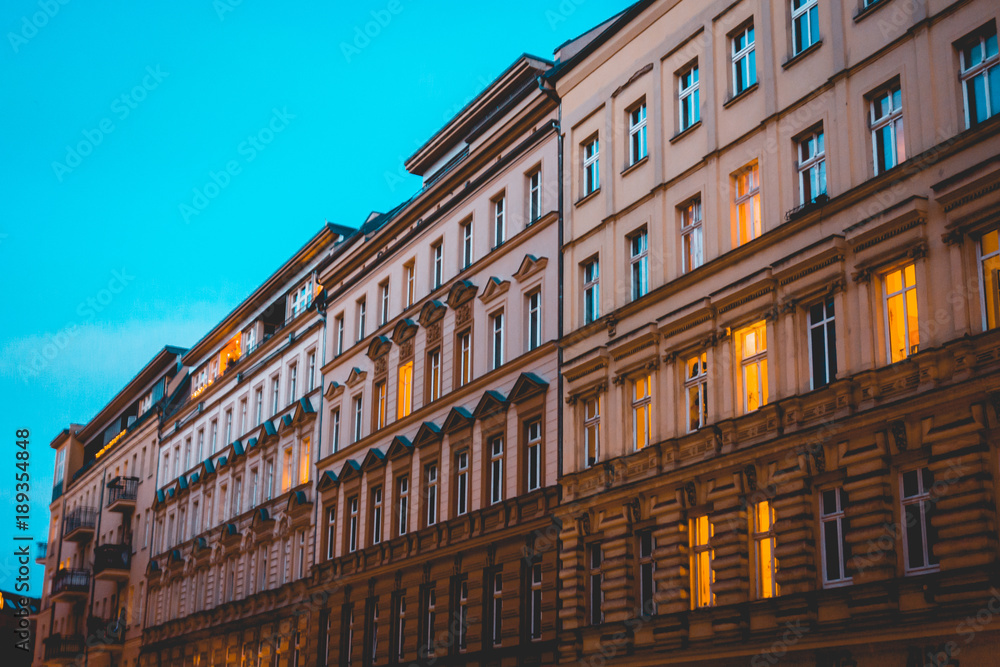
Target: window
<point>331,527</point>
<point>535,602</point>
<point>334,430</point>
<point>691,235</point>
<point>462,483</point>
<point>293,376</point>
<point>700,534</point>
<point>534,195</point>
<point>805,24</point>
<point>499,221</point>
<point>254,483</point>
<point>496,347</point>
<point>637,134</point>
<point>534,451</point>
<point>352,530</point>
<point>596,579</point>
<point>430,619</point>
<point>744,60</point>
<point>467,244</point>
<point>305,460</point>
<point>302,555</point>
<point>376,528</point>
<point>463,615</point>
<point>591,291</point>
<point>989,267</point>
<point>534,319</point>
<point>269,479</point>
<point>409,278</point>
<point>340,335</point>
<point>765,564</point>
<point>464,358</point>
<point>361,307</point>
<point>639,252</point>
<point>980,77</point>
<point>437,270</point>
<point>497,610</point>
<point>383,315</point>
<point>647,568</point>
<point>592,431</point>
<point>200,454</point>
<point>357,418</point>
<point>917,507</point>
<point>831,518</point>
<point>591,167</point>
<point>187,451</point>
<point>641,407</point>
<point>434,374</point>
<point>312,372</point>
<point>753,355</point>
<point>747,203</point>
<point>696,389</point>
<point>431,484</point>
<point>275,388</point>
<point>403,501</point>
<point>250,340</point>
<point>822,344</point>
<point>243,420</point>
<point>812,167</point>
<point>214,441</point>
<point>888,145</point>
<point>301,298</point>
<point>690,107</point>
<point>286,470</point>
<point>237,504</point>
<point>900,294</point>
<point>373,630</point>
<point>405,396</point>
<point>347,648</point>
<point>496,470</point>
<point>259,399</point>
<point>401,626</point>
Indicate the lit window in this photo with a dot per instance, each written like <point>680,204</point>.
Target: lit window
<point>534,320</point>
<point>437,270</point>
<point>989,263</point>
<point>286,470</point>
<point>434,374</point>
<point>812,167</point>
<point>888,145</point>
<point>592,431</point>
<point>647,569</point>
<point>744,60</point>
<point>762,533</point>
<point>805,24</point>
<point>753,356</point>
<point>431,484</point>
<point>831,517</point>
<point>464,358</point>
<point>535,195</point>
<point>822,344</point>
<point>641,408</point>
<point>357,418</point>
<point>409,272</point>
<point>496,470</point>
<point>688,96</point>
<point>496,348</point>
<point>747,205</point>
<point>596,581</point>
<point>591,167</point>
<point>534,450</point>
<point>917,507</point>
<point>361,308</point>
<point>535,601</point>
<point>591,291</point>
<point>696,389</point>
<point>499,221</point>
<point>403,501</point>
<point>639,258</point>
<point>700,534</point>
<point>980,75</point>
<point>352,534</point>
<point>467,244</point>
<point>405,397</point>
<point>376,530</point>
<point>637,134</point>
<point>462,483</point>
<point>305,461</point>
<point>380,401</point>
<point>691,235</point>
<point>383,316</point>
<point>900,294</point>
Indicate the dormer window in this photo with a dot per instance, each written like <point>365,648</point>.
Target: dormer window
<point>301,298</point>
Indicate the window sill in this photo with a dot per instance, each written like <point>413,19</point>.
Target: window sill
<point>736,98</point>
<point>802,54</point>
<point>587,197</point>
<point>869,10</point>
<point>683,133</point>
<point>635,165</point>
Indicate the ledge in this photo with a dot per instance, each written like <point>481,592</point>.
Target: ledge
<point>870,9</point>
<point>683,133</point>
<point>587,198</point>
<point>802,54</point>
<point>635,165</point>
<point>743,93</point>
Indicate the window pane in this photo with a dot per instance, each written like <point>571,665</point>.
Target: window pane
<point>831,550</point>
<point>910,484</point>
<point>914,536</point>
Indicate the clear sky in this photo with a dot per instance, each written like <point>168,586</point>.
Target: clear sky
<point>159,160</point>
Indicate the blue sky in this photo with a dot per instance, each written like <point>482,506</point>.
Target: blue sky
<point>159,162</point>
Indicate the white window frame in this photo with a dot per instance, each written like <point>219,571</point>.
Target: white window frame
<point>746,187</point>
<point>827,321</point>
<point>534,319</point>
<point>497,342</point>
<point>465,358</point>
<point>384,299</point>
<point>535,195</point>
<point>377,497</point>
<point>358,418</point>
<point>696,378</point>
<point>802,20</point>
<point>643,403</point>
<point>638,148</point>
<point>812,166</point>
<point>903,294</point>
<point>700,534</point>
<point>497,481</point>
<point>467,247</point>
<point>742,59</point>
<point>535,602</point>
<point>758,538</point>
<point>982,68</point>
<point>352,528</point>
<point>431,476</point>
<point>591,152</point>
<point>757,359</point>
<point>924,499</point>
<point>591,290</point>
<point>688,98</point>
<point>692,238</point>
<point>362,308</point>
<point>410,279</point>
<point>833,515</point>
<point>462,483</point>
<point>533,432</point>
<point>987,282</point>
<point>434,366</point>
<point>403,504</point>
<point>591,431</point>
<point>437,264</point>
<point>639,263</point>
<point>331,531</point>
<point>893,119</point>
<point>497,616</point>
<point>340,334</point>
<point>499,221</point>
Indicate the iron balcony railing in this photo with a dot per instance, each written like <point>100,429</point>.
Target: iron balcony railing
<point>112,557</point>
<point>122,488</point>
<point>58,646</point>
<point>81,517</point>
<point>71,581</point>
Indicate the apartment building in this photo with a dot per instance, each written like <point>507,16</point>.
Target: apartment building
<point>235,504</point>
<point>439,470</point>
<point>93,594</point>
<point>781,357</point>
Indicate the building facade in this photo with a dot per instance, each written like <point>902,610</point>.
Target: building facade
<point>93,592</point>
<point>780,355</point>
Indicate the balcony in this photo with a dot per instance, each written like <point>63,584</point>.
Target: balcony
<point>107,634</point>
<point>60,650</point>
<point>70,584</point>
<point>112,562</point>
<point>121,494</point>
<point>78,526</point>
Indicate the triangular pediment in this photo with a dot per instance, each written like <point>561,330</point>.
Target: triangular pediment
<point>526,386</point>
<point>379,347</point>
<point>460,292</point>
<point>333,390</point>
<point>351,469</point>
<point>431,312</point>
<point>303,411</point>
<point>356,376</point>
<point>495,287</point>
<point>429,432</point>
<point>373,459</point>
<point>285,423</point>
<point>530,265</point>
<point>404,330</point>
<point>327,480</point>
<point>400,446</point>
<point>491,403</point>
<point>265,433</point>
<point>457,418</point>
